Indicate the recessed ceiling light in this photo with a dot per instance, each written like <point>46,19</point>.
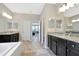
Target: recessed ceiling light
<point>65,7</point>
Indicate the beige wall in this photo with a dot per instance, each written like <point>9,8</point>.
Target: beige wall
<point>3,20</point>
<point>49,11</point>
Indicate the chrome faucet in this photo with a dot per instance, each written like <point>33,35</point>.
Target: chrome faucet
<point>69,34</point>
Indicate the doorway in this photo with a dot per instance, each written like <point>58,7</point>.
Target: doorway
<point>35,31</point>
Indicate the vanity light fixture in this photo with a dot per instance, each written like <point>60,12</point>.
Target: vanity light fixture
<point>75,20</point>
<point>6,15</point>
<point>62,9</point>
<point>65,7</point>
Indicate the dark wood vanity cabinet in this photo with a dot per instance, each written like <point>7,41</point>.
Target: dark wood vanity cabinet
<point>5,38</point>
<point>15,37</point>
<point>9,38</point>
<point>63,47</point>
<point>54,45</point>
<point>50,42</point>
<point>58,45</point>
<point>72,48</point>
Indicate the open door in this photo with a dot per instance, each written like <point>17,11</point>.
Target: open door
<point>36,31</point>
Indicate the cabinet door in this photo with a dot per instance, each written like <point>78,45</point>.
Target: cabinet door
<point>73,52</point>
<point>58,49</point>
<point>63,50</point>
<point>72,48</point>
<point>15,37</point>
<point>50,42</point>
<point>54,46</point>
<point>7,38</point>
<point>61,47</point>
<point>2,39</point>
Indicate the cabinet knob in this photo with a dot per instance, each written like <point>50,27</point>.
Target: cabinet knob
<point>73,46</point>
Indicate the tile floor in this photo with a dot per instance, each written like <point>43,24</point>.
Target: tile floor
<point>35,49</point>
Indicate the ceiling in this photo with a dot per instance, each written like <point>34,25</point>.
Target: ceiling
<point>29,8</point>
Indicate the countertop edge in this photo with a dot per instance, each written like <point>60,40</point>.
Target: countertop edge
<point>64,37</point>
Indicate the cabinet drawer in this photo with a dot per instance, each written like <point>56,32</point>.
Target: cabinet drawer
<point>77,46</point>
<point>73,45</point>
<point>72,48</point>
<point>72,52</point>
<point>54,46</point>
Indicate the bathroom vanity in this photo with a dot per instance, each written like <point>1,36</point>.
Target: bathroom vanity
<point>63,45</point>
<point>9,37</point>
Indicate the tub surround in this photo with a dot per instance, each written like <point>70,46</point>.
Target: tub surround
<point>8,49</point>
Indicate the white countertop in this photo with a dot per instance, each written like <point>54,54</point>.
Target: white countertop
<point>7,33</point>
<point>71,38</point>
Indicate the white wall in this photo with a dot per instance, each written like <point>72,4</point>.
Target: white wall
<point>4,20</point>
<point>3,8</point>
<point>23,20</point>
<point>76,26</point>
<point>48,11</point>
<point>3,25</point>
<point>24,28</point>
<point>24,24</point>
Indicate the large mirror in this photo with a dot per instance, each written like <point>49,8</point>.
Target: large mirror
<point>58,23</point>
<point>51,23</point>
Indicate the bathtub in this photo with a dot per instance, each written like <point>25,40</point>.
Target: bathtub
<point>10,49</point>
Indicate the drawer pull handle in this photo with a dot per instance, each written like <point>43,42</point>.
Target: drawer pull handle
<point>73,46</point>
